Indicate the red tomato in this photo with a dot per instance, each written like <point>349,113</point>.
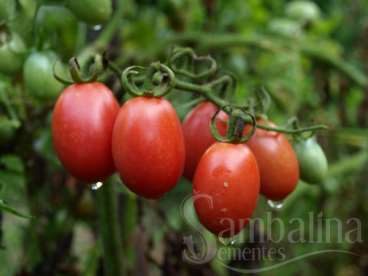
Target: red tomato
<point>225,188</point>
<point>197,134</point>
<point>82,125</point>
<point>277,161</point>
<point>148,146</point>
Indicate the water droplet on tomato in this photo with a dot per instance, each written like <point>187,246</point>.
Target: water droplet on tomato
<point>227,241</point>
<point>275,204</point>
<point>226,184</point>
<point>96,186</point>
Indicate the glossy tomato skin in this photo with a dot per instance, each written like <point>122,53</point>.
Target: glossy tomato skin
<point>226,187</point>
<point>277,161</point>
<point>148,146</point>
<point>82,125</point>
<point>197,134</point>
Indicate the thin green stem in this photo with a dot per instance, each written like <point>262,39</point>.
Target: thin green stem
<point>106,35</point>
<point>206,42</point>
<point>109,229</point>
<point>206,91</point>
<point>203,90</point>
<point>293,131</point>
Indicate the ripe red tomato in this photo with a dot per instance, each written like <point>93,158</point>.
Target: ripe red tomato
<point>277,161</point>
<point>225,188</point>
<point>148,146</point>
<point>82,125</point>
<point>197,134</point>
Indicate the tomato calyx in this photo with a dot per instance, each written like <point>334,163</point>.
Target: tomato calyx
<point>156,81</point>
<point>235,131</point>
<point>184,59</point>
<point>76,74</point>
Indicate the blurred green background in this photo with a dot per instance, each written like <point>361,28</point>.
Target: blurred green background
<point>312,58</point>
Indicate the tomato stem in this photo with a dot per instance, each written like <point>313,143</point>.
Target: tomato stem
<point>206,91</point>
<point>109,228</point>
<point>160,79</point>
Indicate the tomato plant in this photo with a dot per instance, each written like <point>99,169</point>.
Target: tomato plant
<point>197,134</point>
<point>82,124</point>
<point>148,146</point>
<point>312,161</point>
<point>38,75</point>
<point>303,58</point>
<point>91,11</point>
<point>277,161</point>
<point>225,188</point>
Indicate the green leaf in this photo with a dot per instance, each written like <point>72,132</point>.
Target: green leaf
<point>6,208</point>
<point>12,163</point>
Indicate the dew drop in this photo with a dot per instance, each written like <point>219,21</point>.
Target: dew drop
<point>227,241</point>
<point>96,186</point>
<point>226,184</point>
<point>97,27</point>
<point>275,204</point>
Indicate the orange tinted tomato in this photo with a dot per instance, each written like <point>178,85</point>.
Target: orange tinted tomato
<point>226,187</point>
<point>82,124</point>
<point>197,134</point>
<point>277,162</point>
<point>148,146</point>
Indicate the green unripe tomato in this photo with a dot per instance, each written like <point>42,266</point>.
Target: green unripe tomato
<point>7,129</point>
<point>312,161</point>
<point>12,51</point>
<point>303,11</point>
<point>92,12</point>
<point>38,75</point>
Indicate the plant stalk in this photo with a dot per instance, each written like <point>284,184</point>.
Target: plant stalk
<point>109,229</point>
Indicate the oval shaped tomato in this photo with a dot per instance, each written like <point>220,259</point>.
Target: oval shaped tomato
<point>277,162</point>
<point>82,125</point>
<point>148,146</point>
<point>12,51</point>
<point>225,188</point>
<point>38,75</point>
<point>197,134</point>
<point>312,161</point>
<point>91,11</point>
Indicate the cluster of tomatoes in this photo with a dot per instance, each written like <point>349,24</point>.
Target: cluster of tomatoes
<point>144,141</point>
